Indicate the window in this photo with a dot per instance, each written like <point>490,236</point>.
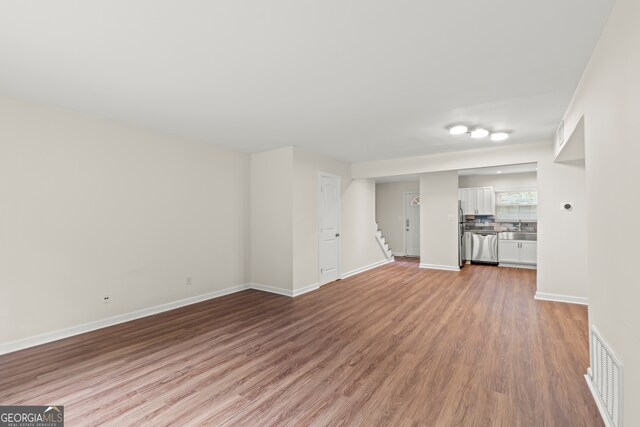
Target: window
<point>517,205</point>
<point>517,198</point>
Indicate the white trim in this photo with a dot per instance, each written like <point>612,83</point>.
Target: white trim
<point>384,246</point>
<point>304,290</point>
<point>596,397</point>
<point>399,254</point>
<point>527,266</point>
<point>516,189</point>
<point>365,268</point>
<point>284,292</point>
<point>440,267</point>
<point>318,200</point>
<point>59,334</point>
<point>271,289</point>
<point>561,298</point>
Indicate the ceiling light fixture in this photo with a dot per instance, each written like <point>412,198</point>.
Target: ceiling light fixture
<point>458,130</point>
<point>499,136</point>
<point>479,133</point>
<point>498,171</point>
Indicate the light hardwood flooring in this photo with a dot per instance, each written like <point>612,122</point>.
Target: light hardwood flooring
<point>394,346</point>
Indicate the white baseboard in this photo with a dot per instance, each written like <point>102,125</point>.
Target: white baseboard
<point>284,292</point>
<point>365,268</point>
<point>20,344</point>
<point>47,337</point>
<point>561,298</point>
<point>397,253</point>
<point>526,266</point>
<point>603,411</point>
<point>59,334</point>
<point>440,267</point>
<point>270,289</point>
<point>300,291</point>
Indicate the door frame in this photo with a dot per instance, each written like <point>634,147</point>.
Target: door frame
<point>404,220</point>
<point>319,221</point>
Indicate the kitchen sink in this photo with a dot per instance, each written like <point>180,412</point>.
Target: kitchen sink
<point>517,235</point>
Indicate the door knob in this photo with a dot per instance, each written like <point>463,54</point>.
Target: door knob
<point>337,234</point>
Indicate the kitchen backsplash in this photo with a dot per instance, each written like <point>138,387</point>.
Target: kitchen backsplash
<point>490,223</point>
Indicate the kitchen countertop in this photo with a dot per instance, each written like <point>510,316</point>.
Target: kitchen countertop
<point>485,230</point>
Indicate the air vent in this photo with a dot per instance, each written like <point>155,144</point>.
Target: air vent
<point>605,380</point>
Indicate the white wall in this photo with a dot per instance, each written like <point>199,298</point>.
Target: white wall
<point>284,243</point>
<point>360,248</point>
<point>562,235</point>
<point>271,217</point>
<point>439,220</point>
<point>306,169</point>
<point>469,159</point>
<point>500,181</point>
<point>608,97</point>
<point>559,262</point>
<point>90,208</point>
<point>390,211</point>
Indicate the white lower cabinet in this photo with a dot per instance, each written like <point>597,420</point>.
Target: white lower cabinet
<point>509,251</point>
<point>523,252</point>
<point>529,252</point>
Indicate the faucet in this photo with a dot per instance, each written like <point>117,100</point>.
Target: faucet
<point>519,225</point>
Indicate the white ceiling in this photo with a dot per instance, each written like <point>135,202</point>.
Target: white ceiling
<point>399,178</point>
<point>357,80</point>
<point>505,170</point>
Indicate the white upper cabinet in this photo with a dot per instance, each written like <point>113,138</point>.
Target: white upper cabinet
<point>486,201</point>
<point>469,200</point>
<point>478,201</point>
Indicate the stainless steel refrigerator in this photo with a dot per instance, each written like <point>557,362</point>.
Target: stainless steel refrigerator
<point>461,242</point>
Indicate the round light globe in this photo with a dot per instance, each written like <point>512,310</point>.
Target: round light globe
<point>499,136</point>
<point>458,130</point>
<point>479,133</point>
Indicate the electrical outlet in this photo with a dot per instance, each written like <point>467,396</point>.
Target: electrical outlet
<point>188,281</point>
<point>106,299</point>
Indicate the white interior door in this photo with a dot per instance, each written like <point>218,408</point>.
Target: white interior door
<point>329,216</point>
<point>412,224</point>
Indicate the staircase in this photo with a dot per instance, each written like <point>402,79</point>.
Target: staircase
<point>384,245</point>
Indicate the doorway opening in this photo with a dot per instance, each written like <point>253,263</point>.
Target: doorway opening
<point>398,213</point>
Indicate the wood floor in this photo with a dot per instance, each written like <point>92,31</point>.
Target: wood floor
<point>394,346</point>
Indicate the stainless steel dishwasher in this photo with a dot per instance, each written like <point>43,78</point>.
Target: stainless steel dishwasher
<point>484,247</point>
